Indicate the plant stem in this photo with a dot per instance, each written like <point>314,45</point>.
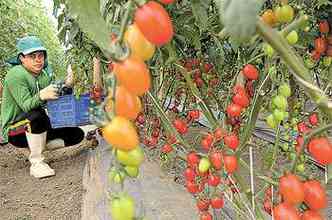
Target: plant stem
<point>125,20</point>
<point>275,148</point>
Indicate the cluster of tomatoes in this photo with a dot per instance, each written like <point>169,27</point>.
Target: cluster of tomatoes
<point>279,106</point>
<point>151,27</point>
<point>280,15</point>
<point>293,193</point>
<point>323,43</point>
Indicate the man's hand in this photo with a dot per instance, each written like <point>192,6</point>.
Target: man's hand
<point>48,93</point>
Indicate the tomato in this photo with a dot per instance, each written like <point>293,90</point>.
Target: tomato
<point>315,55</point>
<point>122,207</point>
<point>167,148</point>
<point>292,37</point>
<point>271,121</point>
<point>320,45</point>
<point>192,159</point>
<point>214,180</point>
<point>241,99</point>
<point>313,119</point>
<point>180,126</point>
<point>284,14</point>
<point>324,27</point>
<point>190,174</point>
<point>302,127</point>
<point>132,171</point>
<point>219,134</point>
<point>115,176</point>
<point>291,189</point>
<point>217,202</point>
<point>154,22</point>
<point>206,144</point>
<point>267,204</point>
<point>321,150</point>
<point>280,102</point>
<point>315,195</point>
<point>250,71</point>
<point>299,143</point>
<point>192,187</point>
<point>329,51</point>
<point>216,160</point>
<point>239,89</point>
<point>327,61</point>
<point>139,46</point>
<point>230,163</point>
<point>232,141</point>
<point>207,67</point>
<point>206,216</point>
<point>268,50</point>
<point>121,134</point>
<point>166,2</point>
<point>268,193</point>
<point>130,158</point>
<point>312,215</point>
<point>284,90</point>
<point>285,211</point>
<point>329,39</point>
<point>203,204</point>
<point>233,110</point>
<point>133,74</point>
<point>278,115</point>
<point>269,17</point>
<point>194,114</point>
<point>204,165</point>
<point>127,105</point>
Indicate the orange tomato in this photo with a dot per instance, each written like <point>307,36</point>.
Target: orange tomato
<point>133,74</point>
<point>126,104</point>
<point>138,44</point>
<point>121,134</point>
<point>269,17</point>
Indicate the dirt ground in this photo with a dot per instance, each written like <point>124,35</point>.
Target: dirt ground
<point>23,197</point>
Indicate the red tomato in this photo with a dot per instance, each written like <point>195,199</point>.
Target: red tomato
<point>315,55</point>
<point>206,144</point>
<point>166,2</point>
<point>241,99</point>
<point>167,148</point>
<point>324,27</point>
<point>192,159</point>
<point>320,45</point>
<point>230,164</point>
<point>214,180</point>
<point>267,204</point>
<point>206,216</point>
<point>315,195</point>
<point>217,202</point>
<point>312,215</point>
<point>181,126</point>
<point>239,89</point>
<point>190,174</point>
<point>302,127</point>
<point>154,22</point>
<point>216,160</point>
<point>126,104</point>
<point>291,189</point>
<point>203,204</point>
<point>233,110</point>
<point>313,119</point>
<point>194,114</point>
<point>192,187</point>
<point>250,72</point>
<point>320,148</point>
<point>285,211</point>
<point>130,69</point>
<point>219,134</point>
<point>232,141</point>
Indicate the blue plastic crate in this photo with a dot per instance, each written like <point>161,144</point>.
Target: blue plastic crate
<point>68,111</point>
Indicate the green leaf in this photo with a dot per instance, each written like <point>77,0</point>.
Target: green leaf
<point>87,15</point>
<point>200,12</point>
<point>239,18</point>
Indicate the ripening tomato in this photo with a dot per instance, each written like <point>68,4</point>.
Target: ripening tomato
<point>206,216</point>
<point>315,55</point>
<point>216,160</point>
<point>166,2</point>
<point>250,72</point>
<point>321,150</point>
<point>320,44</point>
<point>315,195</point>
<point>120,133</point>
<point>324,27</point>
<point>232,141</point>
<point>154,22</point>
<point>233,110</point>
<point>284,13</point>
<point>312,215</point>
<point>127,105</point>
<point>203,204</point>
<point>230,163</point>
<point>269,17</point>
<point>291,189</point>
<point>285,211</point>
<point>133,74</point>
<point>139,46</point>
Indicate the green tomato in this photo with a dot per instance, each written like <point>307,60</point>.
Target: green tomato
<point>268,50</point>
<point>278,115</point>
<point>300,168</point>
<point>131,158</point>
<point>123,208</point>
<point>292,37</point>
<point>309,63</point>
<point>132,171</point>
<point>285,147</point>
<point>115,176</point>
<point>284,90</point>
<point>292,156</point>
<point>204,165</point>
<point>270,120</point>
<point>284,14</point>
<point>327,61</point>
<point>280,102</point>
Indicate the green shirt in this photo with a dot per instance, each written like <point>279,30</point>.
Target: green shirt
<point>20,94</point>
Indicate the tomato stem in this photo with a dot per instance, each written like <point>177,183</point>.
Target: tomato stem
<point>125,21</point>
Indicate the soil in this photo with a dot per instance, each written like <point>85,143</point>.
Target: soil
<point>23,197</point>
